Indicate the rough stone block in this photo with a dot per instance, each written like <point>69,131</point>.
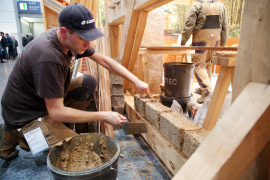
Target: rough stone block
<point>172,125</point>
<point>120,110</point>
<point>153,111</point>
<point>118,101</point>
<point>117,89</point>
<point>139,103</point>
<point>192,140</point>
<point>116,79</point>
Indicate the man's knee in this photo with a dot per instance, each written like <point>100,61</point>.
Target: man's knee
<point>89,81</point>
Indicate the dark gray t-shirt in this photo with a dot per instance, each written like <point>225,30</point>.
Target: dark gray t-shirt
<point>41,71</point>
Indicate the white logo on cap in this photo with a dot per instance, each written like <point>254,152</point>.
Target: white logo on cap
<point>88,21</point>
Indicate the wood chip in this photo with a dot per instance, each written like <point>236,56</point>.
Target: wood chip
<point>121,155</point>
<point>129,164</point>
<point>150,163</point>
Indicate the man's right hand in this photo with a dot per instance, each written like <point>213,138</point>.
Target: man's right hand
<point>114,118</point>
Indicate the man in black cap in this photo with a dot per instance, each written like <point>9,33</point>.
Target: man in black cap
<point>40,84</point>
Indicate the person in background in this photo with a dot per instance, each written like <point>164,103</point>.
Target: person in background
<point>40,91</point>
<point>24,40</point>
<point>1,57</point>
<point>30,38</point>
<point>14,47</point>
<point>207,22</point>
<point>4,45</point>
<point>10,47</point>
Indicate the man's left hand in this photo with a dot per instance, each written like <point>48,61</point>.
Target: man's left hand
<point>143,87</point>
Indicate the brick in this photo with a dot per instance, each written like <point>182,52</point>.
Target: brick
<point>117,89</point>
<point>153,111</point>
<point>139,103</point>
<point>118,101</point>
<point>116,79</point>
<point>120,110</point>
<point>172,125</point>
<point>192,140</point>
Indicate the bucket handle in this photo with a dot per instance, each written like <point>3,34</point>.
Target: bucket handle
<point>113,169</point>
<point>191,76</point>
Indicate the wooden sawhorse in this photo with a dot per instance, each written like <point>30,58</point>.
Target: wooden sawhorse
<point>227,60</point>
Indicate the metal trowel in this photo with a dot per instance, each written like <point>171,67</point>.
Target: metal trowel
<point>133,127</point>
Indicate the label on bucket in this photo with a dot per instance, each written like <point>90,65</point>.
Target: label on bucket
<point>36,140</point>
<point>171,81</point>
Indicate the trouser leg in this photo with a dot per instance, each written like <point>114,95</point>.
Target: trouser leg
<point>8,149</point>
<point>201,73</point>
<point>79,95</point>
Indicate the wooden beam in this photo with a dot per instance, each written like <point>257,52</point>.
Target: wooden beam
<point>111,6</point>
<point>105,98</point>
<point>116,1</point>
<point>136,43</point>
<point>149,5</point>
<point>217,98</point>
<point>114,40</point>
<point>128,36</point>
<point>156,51</point>
<point>178,48</point>
<point>237,139</point>
<point>160,145</point>
<point>253,57</point>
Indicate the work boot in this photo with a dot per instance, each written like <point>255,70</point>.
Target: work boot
<point>202,98</point>
<point>198,90</point>
<point>8,149</point>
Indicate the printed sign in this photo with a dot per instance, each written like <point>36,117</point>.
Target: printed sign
<point>36,140</point>
<point>29,6</point>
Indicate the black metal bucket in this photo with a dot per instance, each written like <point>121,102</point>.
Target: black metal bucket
<point>107,171</point>
<point>178,78</point>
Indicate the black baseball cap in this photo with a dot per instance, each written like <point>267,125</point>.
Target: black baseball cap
<point>78,18</point>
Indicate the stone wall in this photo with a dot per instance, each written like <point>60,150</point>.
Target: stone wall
<point>180,131</point>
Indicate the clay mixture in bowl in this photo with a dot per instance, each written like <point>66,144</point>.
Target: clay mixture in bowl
<point>80,153</point>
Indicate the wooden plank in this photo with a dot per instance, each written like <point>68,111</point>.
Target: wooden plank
<point>112,6</point>
<point>128,36</point>
<point>105,98</point>
<point>147,51</point>
<point>51,18</point>
<point>237,139</point>
<point>136,43</point>
<point>116,1</point>
<point>232,70</point>
<point>120,12</point>
<point>114,40</point>
<point>253,56</point>
<point>149,5</point>
<point>224,61</point>
<point>53,5</point>
<point>160,145</point>
<point>217,99</point>
<point>177,48</point>
<point>118,15</point>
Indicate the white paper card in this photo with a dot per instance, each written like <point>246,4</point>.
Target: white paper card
<point>36,140</point>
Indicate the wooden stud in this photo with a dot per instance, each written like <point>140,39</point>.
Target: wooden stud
<point>116,1</point>
<point>114,40</point>
<point>253,57</point>
<point>217,99</point>
<point>136,43</point>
